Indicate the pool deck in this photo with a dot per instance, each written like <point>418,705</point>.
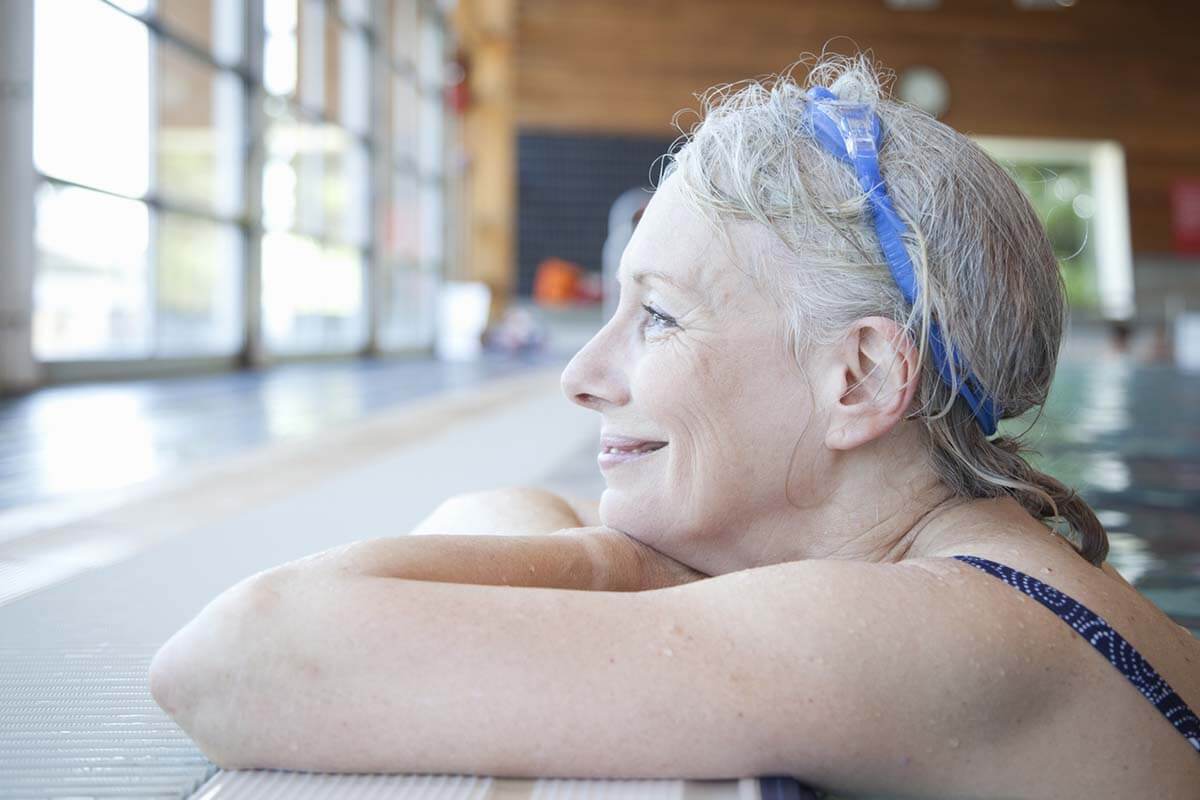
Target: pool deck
<point>131,505</point>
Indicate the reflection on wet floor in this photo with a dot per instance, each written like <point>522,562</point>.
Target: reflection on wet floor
<point>1127,436</point>
<point>66,443</point>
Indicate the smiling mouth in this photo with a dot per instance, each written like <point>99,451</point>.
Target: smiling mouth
<point>613,456</point>
<point>648,447</point>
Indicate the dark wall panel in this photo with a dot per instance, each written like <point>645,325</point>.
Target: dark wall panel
<point>566,185</point>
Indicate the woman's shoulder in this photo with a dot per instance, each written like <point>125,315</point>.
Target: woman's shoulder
<point>1012,576</point>
<point>1092,679</point>
<point>931,663</point>
<point>1037,598</point>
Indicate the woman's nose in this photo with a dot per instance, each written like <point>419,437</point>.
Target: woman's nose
<point>594,378</point>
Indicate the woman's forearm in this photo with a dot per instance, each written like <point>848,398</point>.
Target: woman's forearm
<point>544,544</point>
<point>589,559</point>
<point>613,562</point>
<point>556,561</point>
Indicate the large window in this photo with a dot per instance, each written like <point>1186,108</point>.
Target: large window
<point>413,245</point>
<point>1078,189</point>
<point>315,179</point>
<point>220,173</point>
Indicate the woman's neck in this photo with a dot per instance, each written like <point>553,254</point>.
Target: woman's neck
<point>936,527</point>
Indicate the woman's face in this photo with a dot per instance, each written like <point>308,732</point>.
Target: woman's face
<point>694,357</point>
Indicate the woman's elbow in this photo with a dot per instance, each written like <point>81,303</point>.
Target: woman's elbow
<point>164,680</point>
<point>196,676</point>
<point>179,685</point>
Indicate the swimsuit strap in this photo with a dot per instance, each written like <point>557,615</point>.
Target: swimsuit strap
<point>1100,635</point>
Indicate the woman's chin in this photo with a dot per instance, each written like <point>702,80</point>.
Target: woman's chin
<point>615,509</point>
<point>622,510</point>
<point>604,510</point>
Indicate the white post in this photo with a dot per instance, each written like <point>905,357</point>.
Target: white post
<point>18,370</point>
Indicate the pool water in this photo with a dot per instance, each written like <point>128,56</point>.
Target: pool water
<point>1126,435</point>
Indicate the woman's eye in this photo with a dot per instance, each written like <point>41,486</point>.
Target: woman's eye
<point>658,319</point>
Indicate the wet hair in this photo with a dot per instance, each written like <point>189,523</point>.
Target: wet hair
<point>985,267</point>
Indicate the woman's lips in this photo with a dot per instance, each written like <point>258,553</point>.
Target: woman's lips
<point>609,441</point>
<point>612,456</point>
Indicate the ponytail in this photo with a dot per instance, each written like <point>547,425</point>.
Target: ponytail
<point>975,467</point>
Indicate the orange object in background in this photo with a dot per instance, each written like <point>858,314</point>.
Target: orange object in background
<point>556,281</point>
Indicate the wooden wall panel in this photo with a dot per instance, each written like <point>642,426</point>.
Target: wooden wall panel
<point>485,31</point>
<point>1101,69</point>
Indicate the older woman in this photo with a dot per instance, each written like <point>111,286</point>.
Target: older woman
<point>816,556</point>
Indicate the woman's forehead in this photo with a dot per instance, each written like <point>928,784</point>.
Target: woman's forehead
<point>672,244</point>
<point>677,248</point>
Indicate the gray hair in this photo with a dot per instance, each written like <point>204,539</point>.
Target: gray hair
<point>985,268</point>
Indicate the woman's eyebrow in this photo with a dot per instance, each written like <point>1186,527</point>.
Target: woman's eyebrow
<point>641,276</point>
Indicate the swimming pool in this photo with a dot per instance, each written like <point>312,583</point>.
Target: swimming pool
<point>1126,435</point>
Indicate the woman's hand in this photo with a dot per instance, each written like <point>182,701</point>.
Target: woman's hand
<point>618,551</point>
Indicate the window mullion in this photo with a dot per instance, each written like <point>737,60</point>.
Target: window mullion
<point>253,349</point>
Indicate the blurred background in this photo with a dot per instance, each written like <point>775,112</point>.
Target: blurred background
<point>280,274</point>
<point>226,223</point>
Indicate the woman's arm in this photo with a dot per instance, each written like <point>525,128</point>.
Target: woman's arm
<point>587,559</point>
<point>765,671</point>
<point>458,543</point>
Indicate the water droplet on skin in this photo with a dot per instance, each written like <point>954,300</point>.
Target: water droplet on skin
<point>668,651</point>
<point>954,742</point>
<point>1047,570</point>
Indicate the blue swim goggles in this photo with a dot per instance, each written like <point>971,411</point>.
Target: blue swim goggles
<point>851,132</point>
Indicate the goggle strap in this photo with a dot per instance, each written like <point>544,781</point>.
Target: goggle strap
<point>851,132</point>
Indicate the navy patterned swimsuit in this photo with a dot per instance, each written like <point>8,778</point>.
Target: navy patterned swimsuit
<point>1098,633</point>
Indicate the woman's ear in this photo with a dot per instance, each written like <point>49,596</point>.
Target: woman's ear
<point>874,380</point>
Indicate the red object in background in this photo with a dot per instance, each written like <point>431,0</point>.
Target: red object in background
<point>458,96</point>
<point>588,289</point>
<point>558,281</point>
<point>1185,215</point>
<point>555,280</point>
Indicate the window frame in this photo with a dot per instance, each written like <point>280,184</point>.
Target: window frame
<point>382,164</point>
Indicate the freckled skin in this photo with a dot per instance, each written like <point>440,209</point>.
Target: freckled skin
<point>718,387</point>
<point>768,460</point>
